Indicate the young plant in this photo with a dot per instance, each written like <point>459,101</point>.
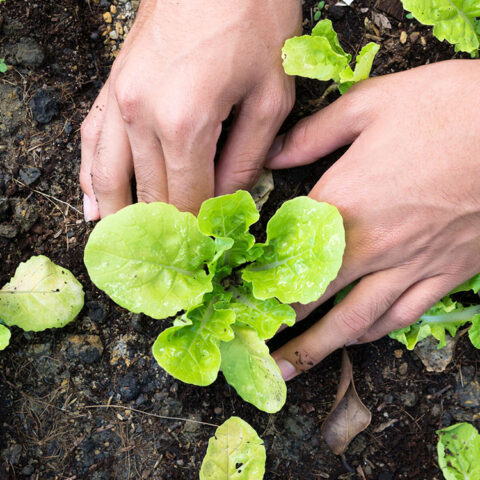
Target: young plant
<point>453,20</point>
<point>159,261</point>
<point>41,295</point>
<point>236,452</point>
<point>446,315</point>
<point>320,56</point>
<point>318,11</point>
<point>3,65</point>
<point>458,451</point>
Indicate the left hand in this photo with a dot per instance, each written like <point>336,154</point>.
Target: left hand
<point>408,191</point>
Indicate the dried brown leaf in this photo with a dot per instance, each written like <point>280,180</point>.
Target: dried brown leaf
<point>348,416</point>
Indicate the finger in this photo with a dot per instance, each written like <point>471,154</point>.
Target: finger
<point>189,149</point>
<point>112,167</point>
<point>90,134</point>
<point>409,307</point>
<point>149,164</point>
<point>346,322</point>
<point>249,141</point>
<point>334,126</point>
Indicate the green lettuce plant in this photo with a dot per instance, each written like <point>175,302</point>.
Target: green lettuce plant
<point>224,289</point>
<point>458,451</point>
<point>447,315</point>
<point>236,452</point>
<point>40,295</point>
<point>320,56</point>
<point>453,20</point>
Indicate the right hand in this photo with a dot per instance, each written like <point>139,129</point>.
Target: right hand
<point>183,67</point>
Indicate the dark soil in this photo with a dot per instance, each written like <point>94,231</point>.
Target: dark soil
<point>83,402</point>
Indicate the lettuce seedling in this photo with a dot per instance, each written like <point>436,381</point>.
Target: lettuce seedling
<point>452,20</point>
<point>446,315</point>
<point>236,452</point>
<point>458,451</point>
<point>41,295</point>
<point>320,56</point>
<point>224,289</point>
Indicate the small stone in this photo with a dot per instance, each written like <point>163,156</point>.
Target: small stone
<point>8,230</point>
<point>414,36</point>
<point>96,311</point>
<point>423,41</point>
<point>107,17</point>
<point>403,37</point>
<point>128,387</point>
<point>29,53</point>
<point>113,35</point>
<point>29,175</point>
<point>87,348</point>
<point>119,28</point>
<point>113,9</point>
<point>43,105</point>
<point>28,470</point>
<point>398,353</point>
<point>26,215</point>
<point>218,410</point>
<point>434,359</point>
<point>409,399</point>
<point>402,369</point>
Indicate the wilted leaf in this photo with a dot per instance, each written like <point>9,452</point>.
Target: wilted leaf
<point>348,416</point>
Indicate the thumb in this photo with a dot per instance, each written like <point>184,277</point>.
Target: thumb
<point>313,137</point>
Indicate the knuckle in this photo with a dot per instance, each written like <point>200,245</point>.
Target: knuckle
<point>103,180</point>
<point>274,104</point>
<point>148,192</point>
<point>177,125</point>
<point>128,99</point>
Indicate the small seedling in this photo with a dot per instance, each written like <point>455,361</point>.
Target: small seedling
<point>320,56</point>
<point>41,295</point>
<point>318,11</point>
<point>3,65</point>
<point>227,292</point>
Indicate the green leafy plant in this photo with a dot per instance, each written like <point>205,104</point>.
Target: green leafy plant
<point>447,315</point>
<point>320,56</point>
<point>458,451</point>
<point>41,295</point>
<point>3,65</point>
<point>225,289</point>
<point>236,452</point>
<point>318,11</point>
<point>453,20</point>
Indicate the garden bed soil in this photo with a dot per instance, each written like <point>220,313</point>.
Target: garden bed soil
<point>84,402</point>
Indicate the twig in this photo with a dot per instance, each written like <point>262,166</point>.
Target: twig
<point>163,417</point>
<point>46,195</point>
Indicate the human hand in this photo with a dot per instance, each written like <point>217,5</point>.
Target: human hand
<point>407,189</point>
<point>183,67</point>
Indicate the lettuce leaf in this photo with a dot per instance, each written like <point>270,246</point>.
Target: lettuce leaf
<point>264,316</point>
<point>446,315</point>
<point>249,368</point>
<point>452,20</point>
<point>4,337</point>
<point>41,295</point>
<point>321,57</point>
<point>318,56</point>
<point>458,451</point>
<point>190,352</point>
<point>303,252</point>
<point>228,218</point>
<point>364,62</point>
<point>236,452</point>
<point>150,258</point>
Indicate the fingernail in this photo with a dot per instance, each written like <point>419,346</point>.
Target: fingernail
<point>287,369</point>
<point>87,208</point>
<point>353,342</point>
<point>276,147</point>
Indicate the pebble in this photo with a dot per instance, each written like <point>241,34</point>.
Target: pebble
<point>409,399</point>
<point>402,369</point>
<point>403,37</point>
<point>28,53</point>
<point>87,348</point>
<point>96,311</point>
<point>26,215</point>
<point>434,359</point>
<point>29,175</point>
<point>8,230</point>
<point>107,17</point>
<point>128,387</point>
<point>43,105</point>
